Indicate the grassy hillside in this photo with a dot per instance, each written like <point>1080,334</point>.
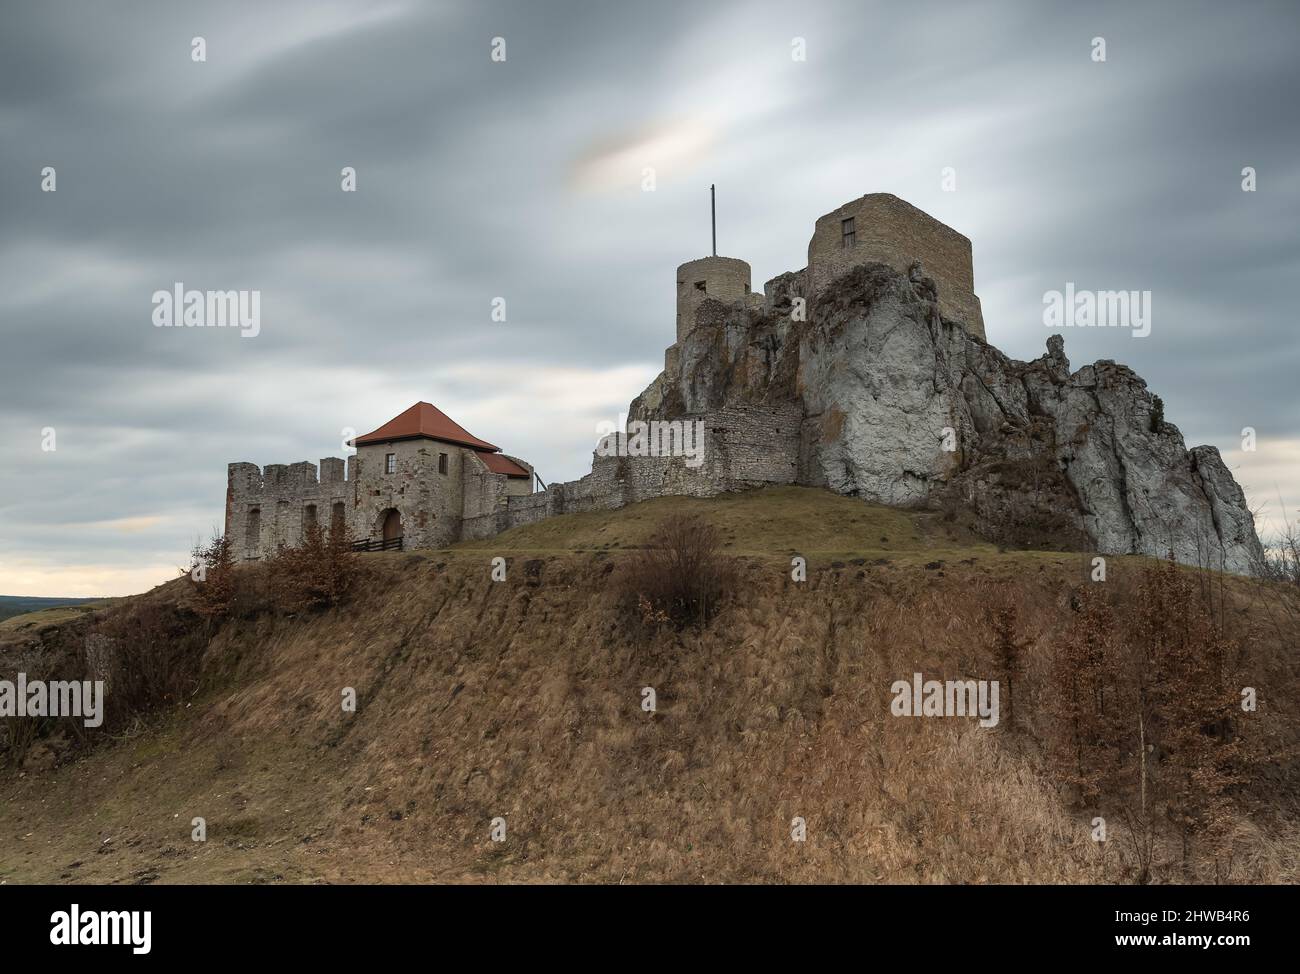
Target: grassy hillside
<point>776,522</point>
<point>522,700</point>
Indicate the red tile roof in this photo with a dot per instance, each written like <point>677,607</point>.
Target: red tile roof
<point>501,464</point>
<point>424,420</point>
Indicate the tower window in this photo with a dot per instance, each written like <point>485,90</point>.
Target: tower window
<point>699,285</point>
<point>442,463</point>
<point>390,463</point>
<point>847,234</point>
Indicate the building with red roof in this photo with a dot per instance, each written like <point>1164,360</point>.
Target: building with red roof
<point>411,484</point>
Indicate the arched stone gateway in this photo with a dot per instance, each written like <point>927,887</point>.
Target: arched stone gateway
<point>391,522</point>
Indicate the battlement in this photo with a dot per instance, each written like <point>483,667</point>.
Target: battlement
<point>275,476</point>
<point>274,505</point>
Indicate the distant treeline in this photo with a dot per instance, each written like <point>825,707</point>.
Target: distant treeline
<point>16,605</point>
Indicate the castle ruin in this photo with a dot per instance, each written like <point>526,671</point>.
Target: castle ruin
<point>866,372</point>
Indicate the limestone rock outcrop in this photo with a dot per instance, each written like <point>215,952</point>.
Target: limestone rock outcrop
<point>903,406</point>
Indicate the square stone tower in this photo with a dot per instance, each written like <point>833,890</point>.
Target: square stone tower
<point>880,227</point>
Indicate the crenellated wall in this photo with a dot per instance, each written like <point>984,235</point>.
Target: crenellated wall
<point>269,508</point>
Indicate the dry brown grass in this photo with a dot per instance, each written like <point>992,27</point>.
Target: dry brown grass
<point>522,699</point>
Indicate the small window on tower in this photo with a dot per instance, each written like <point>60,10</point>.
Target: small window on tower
<point>847,234</point>
<point>390,463</point>
<point>442,463</point>
<point>699,285</point>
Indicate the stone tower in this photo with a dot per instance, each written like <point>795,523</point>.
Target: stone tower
<point>880,227</point>
<point>725,279</point>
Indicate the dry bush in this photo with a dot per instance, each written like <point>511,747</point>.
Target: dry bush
<point>17,735</point>
<point>680,577</point>
<point>317,574</point>
<point>149,657</point>
<point>1188,682</point>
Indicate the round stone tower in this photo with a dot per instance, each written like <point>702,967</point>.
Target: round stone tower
<point>722,278</point>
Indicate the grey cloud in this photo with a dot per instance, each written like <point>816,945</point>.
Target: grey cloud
<point>225,175</point>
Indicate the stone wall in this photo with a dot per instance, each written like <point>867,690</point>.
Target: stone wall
<point>891,231</point>
<point>486,492</point>
<point>743,446</point>
<point>266,509</point>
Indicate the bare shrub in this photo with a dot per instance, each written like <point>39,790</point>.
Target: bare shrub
<point>155,662</point>
<point>17,735</point>
<point>680,577</point>
<point>317,574</point>
<point>1282,555</point>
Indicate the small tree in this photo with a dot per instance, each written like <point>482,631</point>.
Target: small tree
<point>1188,683</point>
<point>1157,414</point>
<point>1082,702</point>
<point>1008,650</point>
<point>216,592</point>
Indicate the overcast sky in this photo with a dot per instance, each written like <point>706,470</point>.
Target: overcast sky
<point>523,179</point>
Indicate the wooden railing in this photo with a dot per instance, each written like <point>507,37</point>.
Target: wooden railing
<point>377,544</point>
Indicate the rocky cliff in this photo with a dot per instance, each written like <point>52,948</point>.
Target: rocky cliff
<point>903,406</point>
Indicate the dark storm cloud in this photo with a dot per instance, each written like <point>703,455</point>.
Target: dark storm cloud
<point>522,180</point>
